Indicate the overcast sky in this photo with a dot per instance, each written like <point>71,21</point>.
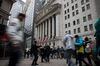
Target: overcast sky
<point>24,0</point>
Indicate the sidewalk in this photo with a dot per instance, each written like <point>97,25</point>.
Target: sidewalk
<point>27,62</point>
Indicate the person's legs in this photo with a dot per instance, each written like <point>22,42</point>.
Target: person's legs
<point>35,59</point>
<point>80,59</point>
<point>89,59</point>
<point>69,55</point>
<point>14,57</point>
<point>48,57</point>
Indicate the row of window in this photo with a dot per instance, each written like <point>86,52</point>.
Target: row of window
<point>78,30</point>
<point>67,25</point>
<point>73,14</point>
<point>87,18</point>
<point>75,7</point>
<point>72,1</point>
<point>84,1</point>
<point>77,11</point>
<point>74,23</point>
<point>66,11</point>
<point>68,16</point>
<point>86,8</point>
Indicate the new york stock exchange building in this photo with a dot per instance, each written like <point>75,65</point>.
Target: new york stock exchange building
<point>48,24</point>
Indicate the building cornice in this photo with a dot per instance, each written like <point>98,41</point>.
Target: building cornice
<point>55,8</point>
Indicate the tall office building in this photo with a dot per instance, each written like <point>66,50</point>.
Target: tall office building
<point>79,17</point>
<point>58,17</point>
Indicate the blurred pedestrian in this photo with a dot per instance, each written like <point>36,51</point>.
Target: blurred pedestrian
<point>88,50</point>
<point>27,53</point>
<point>4,40</point>
<point>62,52</point>
<point>69,48</point>
<point>42,54</point>
<point>79,44</point>
<point>35,51</point>
<point>47,53</point>
<point>58,52</point>
<point>15,31</point>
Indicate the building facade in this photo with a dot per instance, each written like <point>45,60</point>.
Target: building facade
<point>48,20</point>
<point>5,7</point>
<point>58,17</point>
<point>79,17</point>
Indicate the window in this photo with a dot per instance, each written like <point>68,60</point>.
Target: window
<point>83,8</point>
<point>85,28</point>
<point>74,23</point>
<point>89,17</point>
<point>73,13</point>
<point>65,17</point>
<point>72,7</point>
<point>65,25</point>
<point>65,12</point>
<point>76,5</point>
<point>1,2</point>
<point>88,6</point>
<point>78,21</point>
<point>87,0</point>
<point>64,5</point>
<point>84,19</point>
<point>68,10</point>
<point>66,32</point>
<point>77,12</point>
<point>74,31</point>
<point>72,1</point>
<point>67,3</point>
<point>68,24</point>
<point>69,31</point>
<point>68,16</point>
<point>78,30</point>
<point>91,27</point>
<point>82,2</point>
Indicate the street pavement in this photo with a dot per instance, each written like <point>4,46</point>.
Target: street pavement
<point>27,62</point>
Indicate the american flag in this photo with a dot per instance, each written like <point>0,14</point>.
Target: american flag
<point>45,39</point>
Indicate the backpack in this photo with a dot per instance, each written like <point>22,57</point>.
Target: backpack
<point>79,42</point>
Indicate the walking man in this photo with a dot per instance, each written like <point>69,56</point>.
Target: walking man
<point>35,51</point>
<point>69,48</point>
<point>16,38</point>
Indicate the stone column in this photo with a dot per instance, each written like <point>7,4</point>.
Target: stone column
<point>57,24</point>
<point>43,30</point>
<point>49,27</point>
<point>46,27</point>
<point>39,30</point>
<point>52,26</point>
